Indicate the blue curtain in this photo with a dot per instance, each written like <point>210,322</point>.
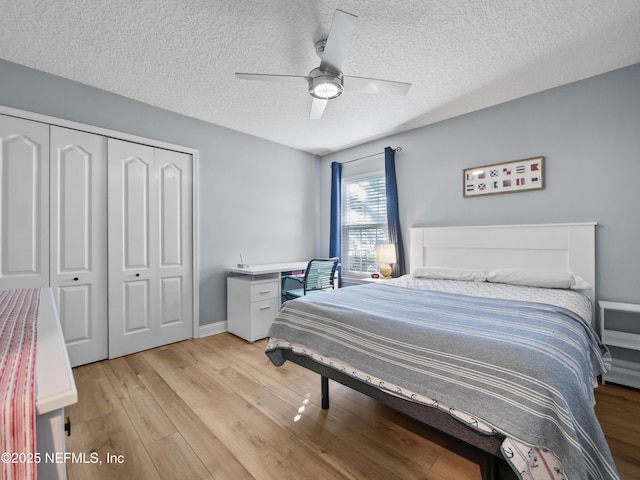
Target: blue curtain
<point>335,233</point>
<point>393,213</point>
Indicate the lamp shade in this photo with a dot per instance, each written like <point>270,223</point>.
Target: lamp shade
<point>386,253</point>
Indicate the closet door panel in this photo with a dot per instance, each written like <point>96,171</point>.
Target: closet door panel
<point>72,177</point>
<point>171,298</point>
<point>133,302</point>
<point>24,203</point>
<point>176,227</point>
<point>75,302</point>
<point>136,307</point>
<point>79,241</point>
<point>171,215</point>
<point>149,215</point>
<point>136,208</point>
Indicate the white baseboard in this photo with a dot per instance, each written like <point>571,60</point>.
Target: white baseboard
<point>212,329</point>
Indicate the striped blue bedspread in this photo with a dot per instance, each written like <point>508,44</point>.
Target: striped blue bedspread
<point>526,368</point>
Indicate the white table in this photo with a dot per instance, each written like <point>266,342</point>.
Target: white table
<point>622,371</point>
<point>55,389</point>
<point>269,268</point>
<point>253,297</point>
<point>375,280</point>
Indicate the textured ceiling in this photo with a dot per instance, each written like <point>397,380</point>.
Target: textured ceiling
<point>458,55</point>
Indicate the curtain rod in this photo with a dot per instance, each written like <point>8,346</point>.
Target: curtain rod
<point>398,149</point>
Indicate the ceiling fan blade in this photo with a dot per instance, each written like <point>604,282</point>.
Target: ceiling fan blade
<point>273,78</point>
<point>338,40</point>
<point>373,85</point>
<point>317,108</point>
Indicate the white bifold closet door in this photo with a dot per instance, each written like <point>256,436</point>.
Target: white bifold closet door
<point>107,224</point>
<point>78,244</point>
<point>24,203</point>
<point>150,247</point>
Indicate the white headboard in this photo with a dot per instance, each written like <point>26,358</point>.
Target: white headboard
<point>562,246</point>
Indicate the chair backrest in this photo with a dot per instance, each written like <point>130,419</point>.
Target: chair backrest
<point>319,274</point>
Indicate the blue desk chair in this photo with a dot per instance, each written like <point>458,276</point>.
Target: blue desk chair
<point>317,277</point>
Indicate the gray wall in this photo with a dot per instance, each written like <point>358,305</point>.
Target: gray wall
<point>589,134</point>
<point>257,198</point>
<point>264,200</point>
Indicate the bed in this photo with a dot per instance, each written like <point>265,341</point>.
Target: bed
<point>509,369</point>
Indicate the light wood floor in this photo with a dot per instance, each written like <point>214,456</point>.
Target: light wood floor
<point>216,408</point>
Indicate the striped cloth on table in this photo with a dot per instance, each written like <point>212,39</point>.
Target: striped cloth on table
<point>18,338</point>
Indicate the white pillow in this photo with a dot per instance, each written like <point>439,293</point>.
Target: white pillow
<point>446,273</point>
<point>532,277</point>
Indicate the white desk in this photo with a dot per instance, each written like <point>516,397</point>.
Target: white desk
<point>269,268</point>
<point>253,297</point>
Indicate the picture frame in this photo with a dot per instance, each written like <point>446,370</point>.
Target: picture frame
<point>507,177</point>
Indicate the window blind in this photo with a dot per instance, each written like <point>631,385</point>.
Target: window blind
<point>364,214</point>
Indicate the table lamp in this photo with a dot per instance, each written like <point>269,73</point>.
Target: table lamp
<point>386,254</point>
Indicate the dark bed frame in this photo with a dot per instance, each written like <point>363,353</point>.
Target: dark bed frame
<point>489,445</point>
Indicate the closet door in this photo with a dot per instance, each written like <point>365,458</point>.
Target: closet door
<point>175,243</point>
<point>150,237</point>
<point>78,206</point>
<point>24,203</point>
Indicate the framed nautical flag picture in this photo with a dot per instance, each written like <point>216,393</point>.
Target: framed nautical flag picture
<point>514,176</point>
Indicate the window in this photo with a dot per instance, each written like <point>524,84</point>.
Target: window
<point>364,223</point>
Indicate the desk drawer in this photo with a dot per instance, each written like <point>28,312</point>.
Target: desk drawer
<point>262,315</point>
<point>263,291</point>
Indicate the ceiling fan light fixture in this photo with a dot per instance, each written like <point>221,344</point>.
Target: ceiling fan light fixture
<point>326,90</point>
<point>325,85</point>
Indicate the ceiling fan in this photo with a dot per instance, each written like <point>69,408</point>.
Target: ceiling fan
<point>327,81</point>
